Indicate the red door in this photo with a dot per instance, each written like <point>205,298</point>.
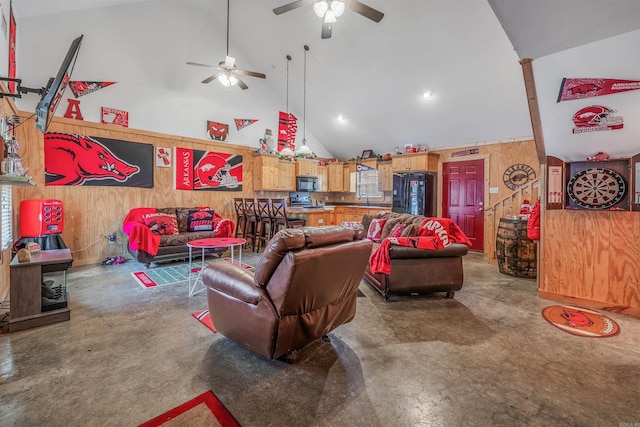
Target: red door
<point>463,198</point>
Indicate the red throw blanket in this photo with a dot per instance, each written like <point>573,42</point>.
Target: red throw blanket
<point>140,236</point>
<point>434,233</point>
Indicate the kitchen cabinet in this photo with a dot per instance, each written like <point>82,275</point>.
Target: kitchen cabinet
<point>336,177</point>
<point>416,162</point>
<point>306,167</point>
<point>385,176</point>
<point>349,178</point>
<point>353,213</point>
<point>271,173</point>
<point>323,178</point>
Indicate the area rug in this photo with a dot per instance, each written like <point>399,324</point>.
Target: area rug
<point>580,321</point>
<point>204,410</point>
<point>204,318</point>
<point>161,276</point>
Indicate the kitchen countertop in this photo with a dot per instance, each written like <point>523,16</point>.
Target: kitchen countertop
<point>324,208</point>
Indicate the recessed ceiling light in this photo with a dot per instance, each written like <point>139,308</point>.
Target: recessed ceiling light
<point>341,118</point>
<point>428,94</point>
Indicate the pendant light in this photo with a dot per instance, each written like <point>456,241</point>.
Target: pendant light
<point>287,151</point>
<point>304,149</point>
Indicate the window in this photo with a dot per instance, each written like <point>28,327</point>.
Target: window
<point>367,184</point>
<point>6,232</point>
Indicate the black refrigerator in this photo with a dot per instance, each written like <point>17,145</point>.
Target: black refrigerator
<point>414,193</point>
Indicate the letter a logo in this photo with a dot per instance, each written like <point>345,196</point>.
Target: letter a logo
<point>73,110</point>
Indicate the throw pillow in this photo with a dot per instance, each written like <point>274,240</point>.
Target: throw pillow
<point>160,223</point>
<point>397,230</point>
<point>200,220</point>
<point>375,229</point>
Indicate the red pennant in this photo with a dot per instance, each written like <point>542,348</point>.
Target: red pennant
<point>243,123</point>
<point>83,88</point>
<point>587,88</point>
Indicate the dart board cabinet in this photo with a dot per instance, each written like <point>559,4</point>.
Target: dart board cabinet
<point>611,185</point>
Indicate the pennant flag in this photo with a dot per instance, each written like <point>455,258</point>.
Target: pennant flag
<point>287,128</point>
<point>243,123</point>
<point>587,88</point>
<point>83,88</point>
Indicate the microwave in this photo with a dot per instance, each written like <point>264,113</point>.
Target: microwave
<point>306,183</point>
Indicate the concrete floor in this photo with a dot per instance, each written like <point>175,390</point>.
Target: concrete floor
<point>485,358</point>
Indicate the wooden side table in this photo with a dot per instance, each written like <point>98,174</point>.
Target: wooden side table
<point>25,308</point>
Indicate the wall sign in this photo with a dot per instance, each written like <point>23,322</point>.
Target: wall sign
<point>596,118</point>
<point>518,175</point>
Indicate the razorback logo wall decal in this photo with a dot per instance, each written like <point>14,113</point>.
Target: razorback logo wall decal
<point>596,118</point>
<point>587,88</point>
<point>207,170</point>
<point>71,159</point>
<point>217,131</point>
<point>73,110</point>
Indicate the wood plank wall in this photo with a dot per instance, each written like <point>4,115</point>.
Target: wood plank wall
<point>497,157</point>
<point>6,107</point>
<point>94,212</point>
<point>591,259</point>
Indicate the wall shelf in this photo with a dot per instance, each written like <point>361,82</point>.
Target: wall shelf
<point>16,180</point>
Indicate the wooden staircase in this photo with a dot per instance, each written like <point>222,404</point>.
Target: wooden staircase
<point>507,207</point>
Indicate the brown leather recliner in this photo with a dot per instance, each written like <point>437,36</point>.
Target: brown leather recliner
<point>304,286</point>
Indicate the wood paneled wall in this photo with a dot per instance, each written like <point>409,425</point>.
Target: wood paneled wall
<point>506,202</point>
<point>591,259</point>
<point>6,107</point>
<point>94,212</point>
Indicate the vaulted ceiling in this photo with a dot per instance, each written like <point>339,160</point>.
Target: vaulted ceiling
<point>465,52</point>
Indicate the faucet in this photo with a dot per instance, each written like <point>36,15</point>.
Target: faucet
<point>364,195</point>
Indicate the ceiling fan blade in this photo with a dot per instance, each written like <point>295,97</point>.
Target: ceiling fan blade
<point>250,74</point>
<point>210,79</point>
<point>291,6</point>
<point>364,10</point>
<point>242,85</point>
<point>201,65</point>
<point>326,29</point>
<point>229,61</point>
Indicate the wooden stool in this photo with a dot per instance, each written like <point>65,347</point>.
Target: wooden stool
<point>265,223</point>
<point>279,212</point>
<point>251,225</point>
<point>241,217</point>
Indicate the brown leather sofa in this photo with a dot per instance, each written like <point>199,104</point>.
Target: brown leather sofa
<point>417,271</point>
<point>173,246</point>
<point>304,286</point>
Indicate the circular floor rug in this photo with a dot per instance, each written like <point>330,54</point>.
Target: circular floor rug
<point>580,321</point>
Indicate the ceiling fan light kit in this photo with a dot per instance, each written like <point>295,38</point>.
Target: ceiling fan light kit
<point>228,73</point>
<point>329,11</point>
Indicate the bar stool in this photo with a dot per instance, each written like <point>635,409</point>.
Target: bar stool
<point>279,211</point>
<point>265,223</point>
<point>251,224</point>
<point>241,217</point>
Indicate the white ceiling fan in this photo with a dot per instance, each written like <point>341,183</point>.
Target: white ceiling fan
<point>330,10</point>
<point>228,74</point>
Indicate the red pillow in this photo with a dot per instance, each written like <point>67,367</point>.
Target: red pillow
<point>161,223</point>
<point>200,220</point>
<point>375,229</point>
<point>397,230</point>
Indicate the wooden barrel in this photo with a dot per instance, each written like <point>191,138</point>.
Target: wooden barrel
<point>515,252</point>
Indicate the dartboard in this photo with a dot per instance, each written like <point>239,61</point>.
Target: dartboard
<point>597,188</point>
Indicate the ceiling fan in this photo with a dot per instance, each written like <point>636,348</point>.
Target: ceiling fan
<point>329,10</point>
<point>228,74</point>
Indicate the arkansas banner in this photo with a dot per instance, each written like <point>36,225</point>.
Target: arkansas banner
<point>207,170</point>
<point>587,88</point>
<point>71,159</point>
<point>287,128</point>
<point>84,88</point>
